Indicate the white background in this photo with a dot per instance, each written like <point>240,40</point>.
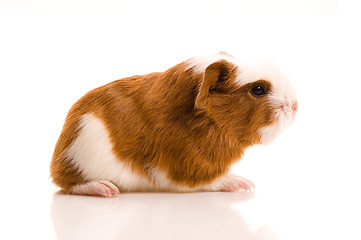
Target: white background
<point>307,181</point>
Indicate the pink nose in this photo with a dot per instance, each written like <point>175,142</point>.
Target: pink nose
<point>294,106</point>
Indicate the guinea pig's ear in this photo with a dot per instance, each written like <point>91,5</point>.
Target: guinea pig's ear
<point>216,72</point>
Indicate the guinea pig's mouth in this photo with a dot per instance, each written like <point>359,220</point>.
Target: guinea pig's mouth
<point>290,107</point>
<point>285,115</point>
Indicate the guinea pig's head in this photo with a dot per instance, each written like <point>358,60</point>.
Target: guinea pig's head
<point>252,102</point>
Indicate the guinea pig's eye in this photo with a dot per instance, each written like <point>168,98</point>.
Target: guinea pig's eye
<point>258,91</point>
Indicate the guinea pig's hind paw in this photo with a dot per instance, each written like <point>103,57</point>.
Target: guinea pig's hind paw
<point>235,183</point>
<point>96,188</point>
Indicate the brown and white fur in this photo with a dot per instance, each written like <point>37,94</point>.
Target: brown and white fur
<point>179,130</point>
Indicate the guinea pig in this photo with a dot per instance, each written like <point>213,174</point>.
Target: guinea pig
<point>179,130</point>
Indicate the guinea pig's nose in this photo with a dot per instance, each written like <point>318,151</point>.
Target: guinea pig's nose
<point>294,106</point>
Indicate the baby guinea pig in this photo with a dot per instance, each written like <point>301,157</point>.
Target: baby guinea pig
<point>179,130</point>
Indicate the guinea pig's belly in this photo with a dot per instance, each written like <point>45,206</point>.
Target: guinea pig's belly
<point>92,154</point>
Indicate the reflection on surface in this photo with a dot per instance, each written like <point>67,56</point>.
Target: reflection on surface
<point>153,216</point>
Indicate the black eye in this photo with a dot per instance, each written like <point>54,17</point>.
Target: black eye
<point>258,91</point>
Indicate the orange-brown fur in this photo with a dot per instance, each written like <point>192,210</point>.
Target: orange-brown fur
<point>192,127</point>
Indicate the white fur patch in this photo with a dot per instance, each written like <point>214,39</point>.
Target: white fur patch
<point>92,154</point>
<point>199,64</point>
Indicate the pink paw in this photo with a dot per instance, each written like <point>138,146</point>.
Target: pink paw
<point>96,188</point>
<point>233,183</point>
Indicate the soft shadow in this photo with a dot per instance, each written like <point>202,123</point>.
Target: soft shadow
<point>153,216</point>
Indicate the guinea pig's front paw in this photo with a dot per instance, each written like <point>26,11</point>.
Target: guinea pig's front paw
<point>234,183</point>
<point>96,188</point>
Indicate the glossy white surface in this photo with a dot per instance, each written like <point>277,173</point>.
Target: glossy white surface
<point>307,181</point>
<point>151,216</point>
